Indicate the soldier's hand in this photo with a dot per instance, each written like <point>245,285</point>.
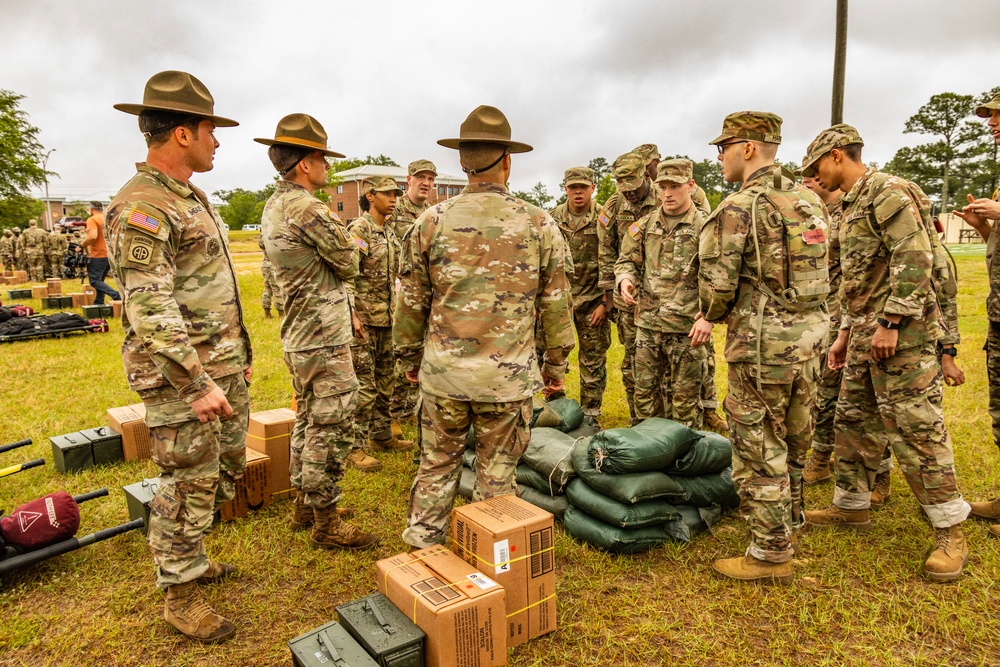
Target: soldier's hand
<point>884,343</point>
<point>953,375</point>
<point>413,376</point>
<point>986,208</point>
<point>626,288</point>
<point>248,373</point>
<point>359,328</point>
<point>553,387</point>
<point>598,315</point>
<point>701,332</point>
<point>837,357</point>
<point>211,405</point>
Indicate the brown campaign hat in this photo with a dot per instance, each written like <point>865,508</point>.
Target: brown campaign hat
<point>675,171</point>
<point>647,152</point>
<point>381,184</point>
<point>488,125</point>
<point>578,176</point>
<point>178,92</point>
<point>629,171</point>
<point>983,110</point>
<point>302,130</point>
<point>752,125</point>
<point>418,166</point>
<point>835,136</point>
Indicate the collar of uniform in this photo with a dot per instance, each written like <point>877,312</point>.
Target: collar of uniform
<point>652,199</point>
<point>485,187</point>
<point>182,189</point>
<point>282,184</point>
<point>670,222</point>
<point>856,190</point>
<point>757,176</point>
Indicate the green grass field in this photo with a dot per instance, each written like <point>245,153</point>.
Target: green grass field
<point>856,600</point>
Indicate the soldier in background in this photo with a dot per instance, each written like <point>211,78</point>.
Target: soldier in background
<point>271,292</point>
<point>763,272</point>
<point>20,262</point>
<point>887,340</point>
<point>314,257</point>
<point>657,272</point>
<point>465,315</point>
<point>186,351</point>
<point>7,250</point>
<point>33,242</point>
<point>58,245</point>
<point>97,264</point>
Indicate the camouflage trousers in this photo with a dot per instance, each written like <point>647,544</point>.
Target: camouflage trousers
<point>625,320</point>
<point>374,364</point>
<point>501,437</point>
<point>325,393</point>
<point>36,266</point>
<point>992,348</point>
<point>669,376</point>
<point>902,392</point>
<point>199,465</point>
<point>827,393</point>
<point>21,262</point>
<point>709,395</point>
<point>7,261</point>
<point>592,354</point>
<point>271,292</point>
<point>403,403</point>
<point>56,265</point>
<point>771,428</point>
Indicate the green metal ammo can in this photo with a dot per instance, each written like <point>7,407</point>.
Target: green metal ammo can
<point>385,632</point>
<point>328,646</point>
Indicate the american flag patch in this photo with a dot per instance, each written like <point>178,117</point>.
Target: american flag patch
<point>361,243</point>
<point>145,222</point>
<point>604,219</point>
<point>633,229</point>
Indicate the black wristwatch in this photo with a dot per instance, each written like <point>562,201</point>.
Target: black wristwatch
<point>953,351</point>
<point>891,326</point>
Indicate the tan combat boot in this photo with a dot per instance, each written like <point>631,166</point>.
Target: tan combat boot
<point>713,421</point>
<point>393,444</point>
<point>995,530</point>
<point>188,613</point>
<point>881,491</point>
<point>216,571</point>
<point>835,517</point>
<point>331,532</point>
<point>989,509</point>
<point>817,468</point>
<point>950,552</point>
<point>748,568</point>
<point>360,459</point>
<point>267,313</point>
<point>302,514</point>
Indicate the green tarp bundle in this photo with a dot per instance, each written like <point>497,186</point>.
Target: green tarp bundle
<point>466,483</point>
<point>587,529</point>
<point>616,513</point>
<point>712,453</point>
<point>652,445</point>
<point>548,454</point>
<point>529,477</point>
<point>627,488</point>
<point>555,505</point>
<point>564,414</point>
<point>708,490</point>
<point>693,520</point>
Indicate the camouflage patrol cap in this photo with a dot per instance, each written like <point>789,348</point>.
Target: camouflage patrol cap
<point>32,223</point>
<point>752,125</point>
<point>418,166</point>
<point>578,176</point>
<point>647,152</point>
<point>675,171</point>
<point>835,136</point>
<point>629,171</point>
<point>381,184</point>
<point>16,230</point>
<point>7,232</point>
<point>983,110</point>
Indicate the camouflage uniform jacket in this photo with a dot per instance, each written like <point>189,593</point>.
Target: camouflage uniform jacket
<point>474,271</point>
<point>182,316</point>
<point>887,263</point>
<point>313,255</point>
<point>6,246</point>
<point>405,214</point>
<point>759,330</point>
<point>614,220</point>
<point>580,234</point>
<point>375,287</point>
<point>833,305</point>
<point>700,200</point>
<point>18,246</point>
<point>993,267</point>
<point>33,239</point>
<point>660,256</point>
<point>265,263</point>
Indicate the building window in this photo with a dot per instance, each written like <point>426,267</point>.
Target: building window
<point>340,189</point>
<point>340,206</point>
<point>442,190</point>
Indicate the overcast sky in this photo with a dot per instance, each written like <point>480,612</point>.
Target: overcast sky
<point>577,79</point>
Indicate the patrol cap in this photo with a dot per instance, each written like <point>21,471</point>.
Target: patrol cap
<point>302,130</point>
<point>983,110</point>
<point>178,92</point>
<point>32,223</point>
<point>629,171</point>
<point>752,125</point>
<point>381,184</point>
<point>487,125</point>
<point>647,152</point>
<point>578,176</point>
<point>835,136</point>
<point>675,171</point>
<point>418,166</point>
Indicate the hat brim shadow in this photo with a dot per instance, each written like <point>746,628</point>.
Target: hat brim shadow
<point>325,151</point>
<point>513,146</point>
<point>136,109</point>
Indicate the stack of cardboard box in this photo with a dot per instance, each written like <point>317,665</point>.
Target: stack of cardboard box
<point>130,422</point>
<point>270,432</point>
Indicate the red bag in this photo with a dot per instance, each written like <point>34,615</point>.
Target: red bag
<point>35,525</point>
<point>22,311</point>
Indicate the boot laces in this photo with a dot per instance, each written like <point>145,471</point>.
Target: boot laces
<point>943,539</point>
<point>197,609</point>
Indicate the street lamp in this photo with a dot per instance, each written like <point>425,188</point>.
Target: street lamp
<point>48,204</point>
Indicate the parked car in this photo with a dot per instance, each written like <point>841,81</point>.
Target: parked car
<point>68,223</point>
<point>251,228</point>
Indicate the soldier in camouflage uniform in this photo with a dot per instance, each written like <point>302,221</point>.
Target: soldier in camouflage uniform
<point>33,240</point>
<point>474,270</point>
<point>577,220</point>
<point>421,175</point>
<point>271,292</point>
<point>657,272</point>
<point>887,338</point>
<point>763,272</point>
<point>314,258</point>
<point>20,262</point>
<point>374,292</point>
<point>58,245</point>
<point>186,351</point>
<point>7,250</point>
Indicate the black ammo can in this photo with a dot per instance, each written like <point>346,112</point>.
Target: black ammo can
<point>72,452</point>
<point>106,443</point>
<point>385,632</point>
<point>328,646</point>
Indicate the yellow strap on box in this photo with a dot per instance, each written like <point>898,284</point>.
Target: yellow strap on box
<point>533,604</point>
<point>273,437</point>
<point>483,561</point>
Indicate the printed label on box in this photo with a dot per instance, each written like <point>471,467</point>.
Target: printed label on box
<point>501,556</point>
<point>481,580</point>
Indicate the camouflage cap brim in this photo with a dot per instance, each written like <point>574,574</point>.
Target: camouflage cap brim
<point>629,184</point>
<point>985,110</point>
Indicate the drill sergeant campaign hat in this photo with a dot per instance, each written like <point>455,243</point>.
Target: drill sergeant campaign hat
<point>488,125</point>
<point>180,93</point>
<point>418,166</point>
<point>675,171</point>
<point>752,125</point>
<point>983,110</point>
<point>647,152</point>
<point>836,136</point>
<point>381,184</point>
<point>629,171</point>
<point>578,176</point>
<point>302,130</point>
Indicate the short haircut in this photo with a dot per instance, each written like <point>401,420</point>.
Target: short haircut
<point>156,126</point>
<point>284,158</point>
<point>766,148</point>
<point>477,155</point>
<point>852,151</point>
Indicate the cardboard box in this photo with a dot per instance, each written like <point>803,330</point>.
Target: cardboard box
<point>8,273</point>
<point>461,610</point>
<point>270,432</point>
<point>116,309</point>
<point>54,286</point>
<point>253,491</point>
<point>137,498</point>
<point>512,541</point>
<point>39,291</point>
<point>130,422</point>
<point>21,277</point>
<point>79,299</point>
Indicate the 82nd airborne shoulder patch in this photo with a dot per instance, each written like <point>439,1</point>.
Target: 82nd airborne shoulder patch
<point>140,251</point>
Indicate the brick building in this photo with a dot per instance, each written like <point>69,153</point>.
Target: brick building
<point>344,197</point>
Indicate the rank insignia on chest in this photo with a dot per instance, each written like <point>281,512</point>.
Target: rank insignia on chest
<point>604,219</point>
<point>361,243</point>
<point>144,222</point>
<point>633,230</point>
<point>813,236</point>
<point>214,247</point>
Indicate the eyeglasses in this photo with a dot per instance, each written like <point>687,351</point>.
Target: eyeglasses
<point>722,147</point>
